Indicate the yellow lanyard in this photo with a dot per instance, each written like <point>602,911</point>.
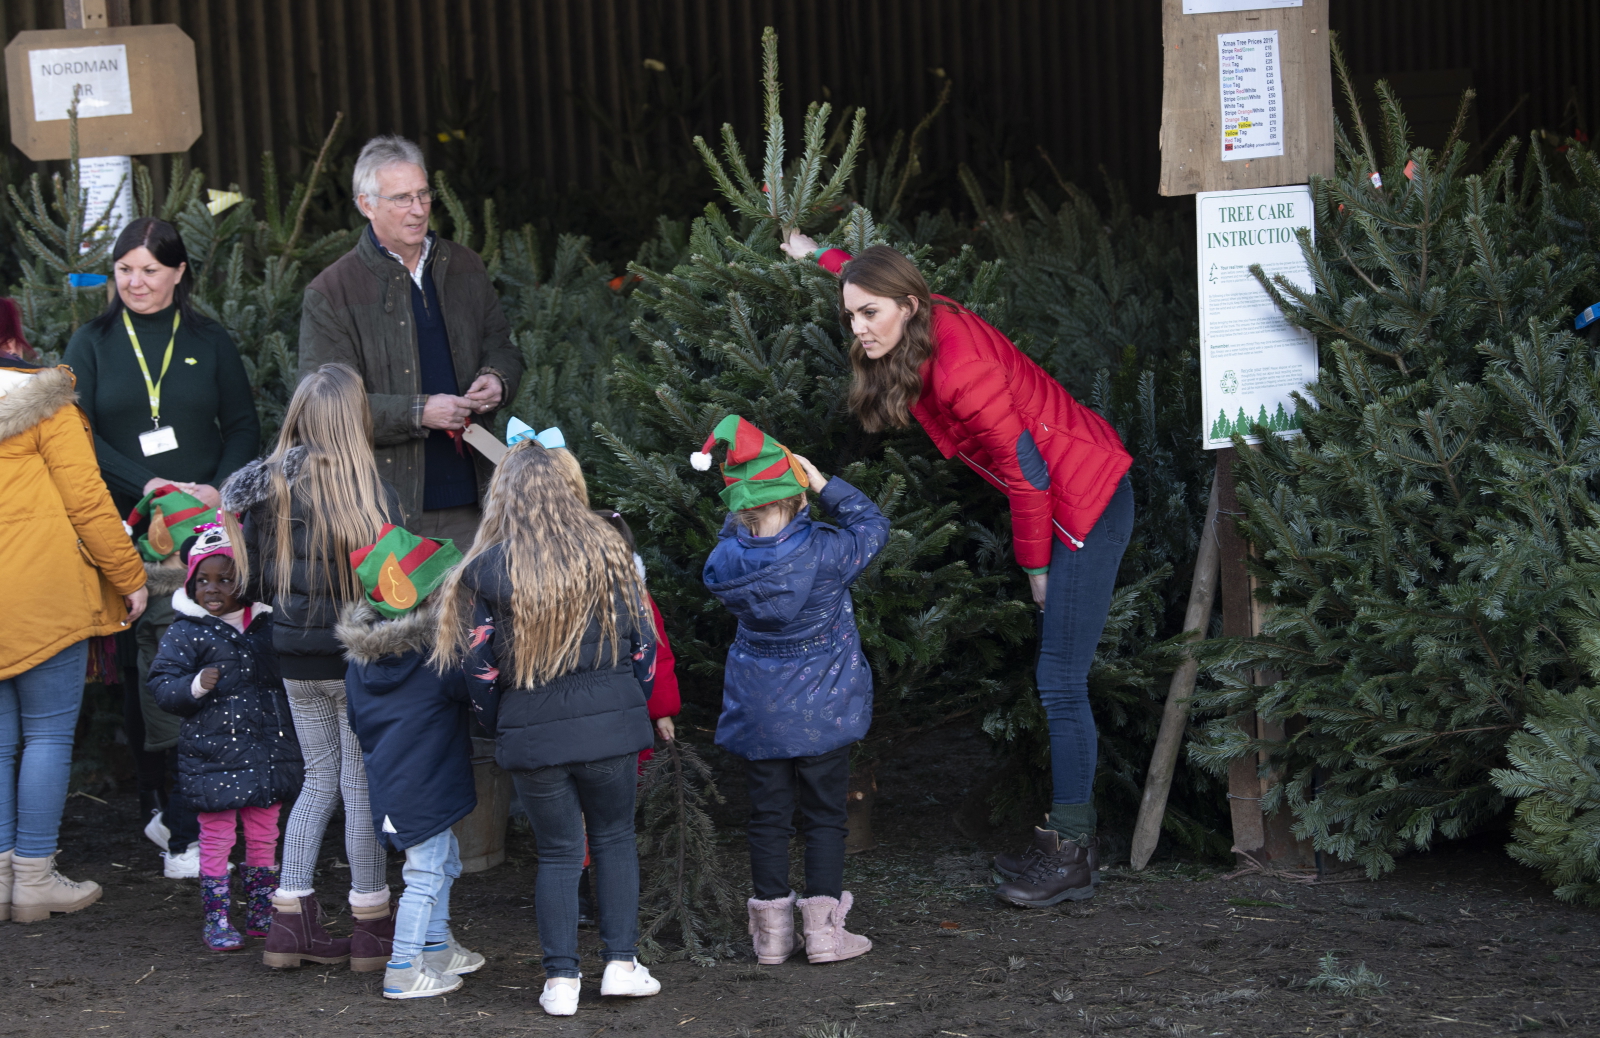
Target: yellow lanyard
<point>152,388</point>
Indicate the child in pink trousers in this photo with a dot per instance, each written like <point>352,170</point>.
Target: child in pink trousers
<point>238,759</point>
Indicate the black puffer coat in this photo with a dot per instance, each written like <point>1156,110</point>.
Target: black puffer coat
<point>594,712</point>
<point>236,746</point>
<point>303,628</point>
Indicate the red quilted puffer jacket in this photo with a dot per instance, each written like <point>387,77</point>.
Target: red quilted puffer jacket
<point>984,401</point>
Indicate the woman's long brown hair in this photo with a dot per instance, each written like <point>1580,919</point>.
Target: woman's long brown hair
<point>567,566</point>
<point>883,390</point>
<point>338,487</point>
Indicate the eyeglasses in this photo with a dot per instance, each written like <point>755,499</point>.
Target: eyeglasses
<point>406,201</point>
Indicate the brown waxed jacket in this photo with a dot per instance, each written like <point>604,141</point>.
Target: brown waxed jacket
<point>358,312</point>
<point>66,556</point>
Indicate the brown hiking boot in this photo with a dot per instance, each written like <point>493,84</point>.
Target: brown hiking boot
<point>373,937</point>
<point>1011,866</point>
<point>1060,870</point>
<point>297,935</point>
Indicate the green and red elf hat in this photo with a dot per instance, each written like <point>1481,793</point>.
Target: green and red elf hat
<point>401,569</point>
<point>174,517</point>
<point>759,470</point>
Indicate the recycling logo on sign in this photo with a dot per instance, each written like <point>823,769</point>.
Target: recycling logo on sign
<point>1230,381</point>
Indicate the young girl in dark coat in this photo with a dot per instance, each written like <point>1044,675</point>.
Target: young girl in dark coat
<point>238,759</point>
<point>547,616</point>
<point>412,723</point>
<point>797,691</point>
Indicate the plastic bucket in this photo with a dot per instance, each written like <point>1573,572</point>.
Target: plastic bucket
<point>482,834</point>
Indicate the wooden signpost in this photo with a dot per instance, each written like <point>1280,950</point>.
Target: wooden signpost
<point>1247,103</point>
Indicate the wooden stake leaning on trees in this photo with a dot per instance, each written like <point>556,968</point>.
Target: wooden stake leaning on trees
<point>1164,759</point>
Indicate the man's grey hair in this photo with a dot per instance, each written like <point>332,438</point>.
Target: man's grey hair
<point>379,154</point>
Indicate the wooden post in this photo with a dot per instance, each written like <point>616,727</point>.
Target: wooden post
<point>1175,717</point>
<point>96,14</point>
<point>1263,838</point>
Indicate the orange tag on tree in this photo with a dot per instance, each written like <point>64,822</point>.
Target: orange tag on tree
<point>159,537</point>
<point>398,591</point>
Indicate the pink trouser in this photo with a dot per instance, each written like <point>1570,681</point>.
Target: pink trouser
<point>218,830</point>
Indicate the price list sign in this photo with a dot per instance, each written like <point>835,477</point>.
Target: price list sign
<point>1252,95</point>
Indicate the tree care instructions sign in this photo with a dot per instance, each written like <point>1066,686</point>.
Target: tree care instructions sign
<point>1251,359</point>
<point>100,74</point>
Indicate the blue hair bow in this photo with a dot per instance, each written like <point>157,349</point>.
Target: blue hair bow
<point>517,430</point>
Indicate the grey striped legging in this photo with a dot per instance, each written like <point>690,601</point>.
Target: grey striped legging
<point>333,770</point>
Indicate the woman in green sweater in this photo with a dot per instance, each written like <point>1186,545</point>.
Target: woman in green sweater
<point>170,402</point>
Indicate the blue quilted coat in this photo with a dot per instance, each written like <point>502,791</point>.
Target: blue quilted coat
<point>796,682</point>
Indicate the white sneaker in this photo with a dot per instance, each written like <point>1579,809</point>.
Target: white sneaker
<point>156,830</point>
<point>560,996</point>
<point>417,979</point>
<point>182,866</point>
<point>451,959</point>
<point>628,980</point>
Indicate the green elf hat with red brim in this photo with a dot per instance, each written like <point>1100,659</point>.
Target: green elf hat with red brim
<point>401,569</point>
<point>759,470</point>
<point>173,517</point>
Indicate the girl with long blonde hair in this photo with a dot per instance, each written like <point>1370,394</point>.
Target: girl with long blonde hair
<point>548,618</point>
<point>306,506</point>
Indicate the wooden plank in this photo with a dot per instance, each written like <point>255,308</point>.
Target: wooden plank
<point>161,80</point>
<point>1191,107</point>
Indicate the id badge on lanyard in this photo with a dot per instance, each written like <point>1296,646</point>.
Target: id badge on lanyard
<point>161,438</point>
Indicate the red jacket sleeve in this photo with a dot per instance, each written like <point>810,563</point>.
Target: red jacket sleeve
<point>664,698</point>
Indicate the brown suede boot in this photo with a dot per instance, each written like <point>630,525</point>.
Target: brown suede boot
<point>1060,870</point>
<point>373,937</point>
<point>297,935</point>
<point>1011,866</point>
<point>5,886</point>
<point>772,929</point>
<point>826,938</point>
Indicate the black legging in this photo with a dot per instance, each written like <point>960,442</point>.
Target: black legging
<point>152,768</point>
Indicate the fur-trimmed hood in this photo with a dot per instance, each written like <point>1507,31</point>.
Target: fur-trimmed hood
<point>367,636</point>
<point>162,580</point>
<point>250,485</point>
<point>30,395</point>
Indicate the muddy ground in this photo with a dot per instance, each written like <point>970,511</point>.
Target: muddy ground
<point>1464,942</point>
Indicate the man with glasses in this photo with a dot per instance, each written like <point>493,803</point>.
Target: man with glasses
<point>417,316</point>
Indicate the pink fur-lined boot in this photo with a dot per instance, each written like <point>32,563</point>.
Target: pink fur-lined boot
<point>826,938</point>
<point>772,929</point>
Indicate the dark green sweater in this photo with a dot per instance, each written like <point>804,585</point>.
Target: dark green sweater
<point>205,397</point>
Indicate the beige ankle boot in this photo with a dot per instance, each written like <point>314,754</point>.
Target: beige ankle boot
<point>772,929</point>
<point>826,938</point>
<point>5,886</point>
<point>37,889</point>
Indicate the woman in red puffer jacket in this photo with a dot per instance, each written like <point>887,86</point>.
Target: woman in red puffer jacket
<point>1064,470</point>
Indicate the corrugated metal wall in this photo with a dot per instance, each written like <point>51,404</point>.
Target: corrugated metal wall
<point>1080,78</point>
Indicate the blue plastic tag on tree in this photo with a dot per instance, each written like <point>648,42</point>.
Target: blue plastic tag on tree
<point>1587,317</point>
<point>86,280</point>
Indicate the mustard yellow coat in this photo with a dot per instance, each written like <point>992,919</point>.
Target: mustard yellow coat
<point>66,558</point>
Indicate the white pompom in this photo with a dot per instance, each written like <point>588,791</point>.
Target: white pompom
<point>700,461</point>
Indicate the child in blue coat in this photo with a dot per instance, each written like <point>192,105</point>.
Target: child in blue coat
<point>411,722</point>
<point>797,690</point>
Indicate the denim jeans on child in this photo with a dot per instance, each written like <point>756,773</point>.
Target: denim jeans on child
<point>423,917</point>
<point>1077,599</point>
<point>219,831</point>
<point>38,712</point>
<point>820,785</point>
<point>559,800</point>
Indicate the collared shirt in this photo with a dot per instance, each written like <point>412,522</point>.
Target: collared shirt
<point>422,264</point>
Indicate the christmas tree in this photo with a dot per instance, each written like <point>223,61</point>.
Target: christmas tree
<point>1413,542</point>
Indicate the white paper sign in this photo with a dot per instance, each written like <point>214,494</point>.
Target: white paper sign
<point>102,72</point>
<point>1252,95</point>
<point>99,179</point>
<point>1219,6</point>
<point>1251,359</point>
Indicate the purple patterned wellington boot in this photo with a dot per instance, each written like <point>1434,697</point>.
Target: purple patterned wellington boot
<point>259,883</point>
<point>219,934</point>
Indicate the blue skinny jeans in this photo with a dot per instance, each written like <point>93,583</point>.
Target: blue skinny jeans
<point>1076,601</point>
<point>38,713</point>
<point>423,917</point>
<point>559,800</point>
